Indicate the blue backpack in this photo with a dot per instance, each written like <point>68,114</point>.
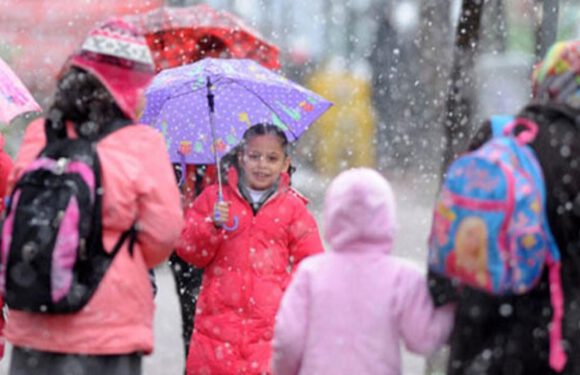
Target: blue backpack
<point>490,230</point>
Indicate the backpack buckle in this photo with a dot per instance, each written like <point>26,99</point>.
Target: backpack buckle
<point>60,166</point>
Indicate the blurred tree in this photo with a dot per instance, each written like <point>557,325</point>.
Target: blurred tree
<point>384,60</point>
<point>546,27</point>
<point>459,102</point>
<point>434,42</point>
<point>395,79</point>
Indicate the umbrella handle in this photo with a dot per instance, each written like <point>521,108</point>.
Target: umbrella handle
<point>235,219</point>
<point>183,170</point>
<point>234,225</point>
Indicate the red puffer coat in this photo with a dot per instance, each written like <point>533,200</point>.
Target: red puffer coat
<point>246,273</point>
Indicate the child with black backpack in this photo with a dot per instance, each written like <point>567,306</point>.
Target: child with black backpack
<point>518,333</point>
<point>101,208</point>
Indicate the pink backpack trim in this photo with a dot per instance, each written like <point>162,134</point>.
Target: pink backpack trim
<point>558,356</point>
<point>64,255</point>
<point>75,166</point>
<point>7,229</point>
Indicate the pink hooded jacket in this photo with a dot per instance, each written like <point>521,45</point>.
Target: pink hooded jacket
<point>346,311</point>
<point>139,185</point>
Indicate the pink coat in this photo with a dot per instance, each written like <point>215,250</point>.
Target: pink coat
<point>346,311</point>
<point>138,184</point>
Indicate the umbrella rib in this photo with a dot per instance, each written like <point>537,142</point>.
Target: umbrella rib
<point>263,102</point>
<point>194,90</point>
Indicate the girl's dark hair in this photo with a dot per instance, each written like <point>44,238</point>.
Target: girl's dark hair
<point>265,129</point>
<point>82,99</point>
<point>257,130</point>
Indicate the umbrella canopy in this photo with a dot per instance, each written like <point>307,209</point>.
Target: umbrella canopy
<point>183,35</point>
<point>14,97</point>
<point>244,93</point>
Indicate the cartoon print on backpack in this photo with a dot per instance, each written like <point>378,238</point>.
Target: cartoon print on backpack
<point>469,260</point>
<point>443,218</point>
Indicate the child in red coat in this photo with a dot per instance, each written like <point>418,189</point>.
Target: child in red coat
<point>248,244</point>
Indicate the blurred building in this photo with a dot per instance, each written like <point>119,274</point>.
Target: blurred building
<point>36,36</point>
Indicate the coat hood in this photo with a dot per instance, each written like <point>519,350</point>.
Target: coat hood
<point>359,212</point>
<point>120,59</point>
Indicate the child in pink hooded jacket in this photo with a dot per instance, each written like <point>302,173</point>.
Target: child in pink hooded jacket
<point>346,311</point>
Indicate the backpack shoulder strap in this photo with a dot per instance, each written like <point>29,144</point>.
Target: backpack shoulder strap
<point>54,130</point>
<point>130,235</point>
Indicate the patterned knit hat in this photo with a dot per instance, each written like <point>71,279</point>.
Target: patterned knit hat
<point>119,57</point>
<point>557,77</point>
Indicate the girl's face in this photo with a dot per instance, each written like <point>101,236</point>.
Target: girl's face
<point>262,160</point>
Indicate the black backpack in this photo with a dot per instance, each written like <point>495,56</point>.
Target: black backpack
<point>52,252</point>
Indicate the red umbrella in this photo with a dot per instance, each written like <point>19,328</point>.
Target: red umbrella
<point>179,36</point>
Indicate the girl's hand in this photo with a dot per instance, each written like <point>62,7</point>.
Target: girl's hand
<point>221,213</point>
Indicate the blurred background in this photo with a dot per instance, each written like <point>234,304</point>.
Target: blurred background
<point>410,79</point>
<point>387,65</point>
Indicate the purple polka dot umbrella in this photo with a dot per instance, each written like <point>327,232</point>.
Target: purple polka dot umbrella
<point>203,109</point>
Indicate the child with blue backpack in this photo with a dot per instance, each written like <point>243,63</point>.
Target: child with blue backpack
<point>527,320</point>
